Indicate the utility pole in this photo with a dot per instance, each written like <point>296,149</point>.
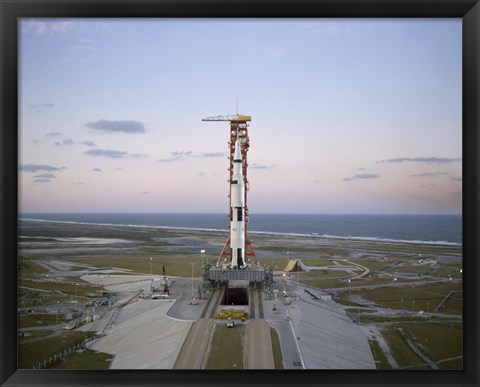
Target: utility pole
<point>193,264</point>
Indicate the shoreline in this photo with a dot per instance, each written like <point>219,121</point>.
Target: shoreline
<point>323,237</point>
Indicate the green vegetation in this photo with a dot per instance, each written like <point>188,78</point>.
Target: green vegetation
<point>31,353</point>
<point>277,351</point>
<point>400,350</point>
<point>86,360</point>
<point>58,286</point>
<point>379,356</point>
<point>33,320</point>
<point>441,342</point>
<point>175,265</point>
<point>372,264</point>
<point>221,356</point>
<point>438,341</point>
<point>30,267</point>
<point>33,334</point>
<point>415,298</point>
<point>326,283</point>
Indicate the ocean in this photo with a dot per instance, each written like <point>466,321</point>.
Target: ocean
<point>429,229</point>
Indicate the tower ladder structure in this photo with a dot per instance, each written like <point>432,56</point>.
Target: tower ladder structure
<point>238,129</point>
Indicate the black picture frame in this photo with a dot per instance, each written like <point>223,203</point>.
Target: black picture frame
<point>12,10</point>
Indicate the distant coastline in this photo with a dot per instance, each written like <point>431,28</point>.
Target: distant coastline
<point>416,229</point>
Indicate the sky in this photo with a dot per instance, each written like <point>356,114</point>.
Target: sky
<point>349,116</point>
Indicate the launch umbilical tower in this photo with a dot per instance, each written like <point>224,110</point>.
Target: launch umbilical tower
<point>238,252</point>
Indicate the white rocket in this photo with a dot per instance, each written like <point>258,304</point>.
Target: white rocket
<point>237,211</point>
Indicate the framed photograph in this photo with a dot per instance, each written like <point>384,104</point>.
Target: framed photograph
<point>240,193</point>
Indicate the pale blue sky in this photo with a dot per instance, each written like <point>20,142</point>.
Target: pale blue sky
<point>348,116</point>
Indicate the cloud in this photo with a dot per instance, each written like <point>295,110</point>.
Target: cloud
<point>144,193</point>
<point>40,27</point>
<point>430,174</point>
<point>362,176</point>
<point>432,160</point>
<point>138,156</point>
<point>81,183</point>
<point>426,185</point>
<point>53,134</point>
<point>68,141</point>
<point>212,154</point>
<point>261,166</point>
<point>457,179</point>
<point>107,126</point>
<point>326,28</point>
<point>42,181</point>
<point>119,169</point>
<point>202,174</point>
<point>88,143</point>
<point>176,156</point>
<point>96,170</point>
<point>46,176</point>
<point>38,168</point>
<point>113,154</point>
<point>41,107</point>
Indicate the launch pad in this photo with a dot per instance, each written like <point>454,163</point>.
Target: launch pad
<point>215,277</point>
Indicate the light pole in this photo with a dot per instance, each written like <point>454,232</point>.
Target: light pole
<point>101,285</point>
<point>401,304</point>
<point>298,274</point>
<point>150,265</point>
<point>413,306</point>
<point>202,252</point>
<point>350,283</point>
<point>193,264</point>
<point>76,284</point>
<point>58,302</point>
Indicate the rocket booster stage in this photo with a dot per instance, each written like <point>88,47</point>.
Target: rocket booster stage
<point>237,211</point>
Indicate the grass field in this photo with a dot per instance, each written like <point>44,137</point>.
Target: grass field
<point>400,350</point>
<point>415,298</point>
<point>31,353</point>
<point>381,361</point>
<point>34,320</point>
<point>85,360</point>
<point>221,355</point>
<point>441,342</point>
<point>277,351</point>
<point>33,334</point>
<point>175,264</point>
<point>59,286</point>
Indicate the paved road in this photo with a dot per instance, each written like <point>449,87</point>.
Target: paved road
<point>195,345</point>
<point>259,345</point>
<point>290,353</point>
